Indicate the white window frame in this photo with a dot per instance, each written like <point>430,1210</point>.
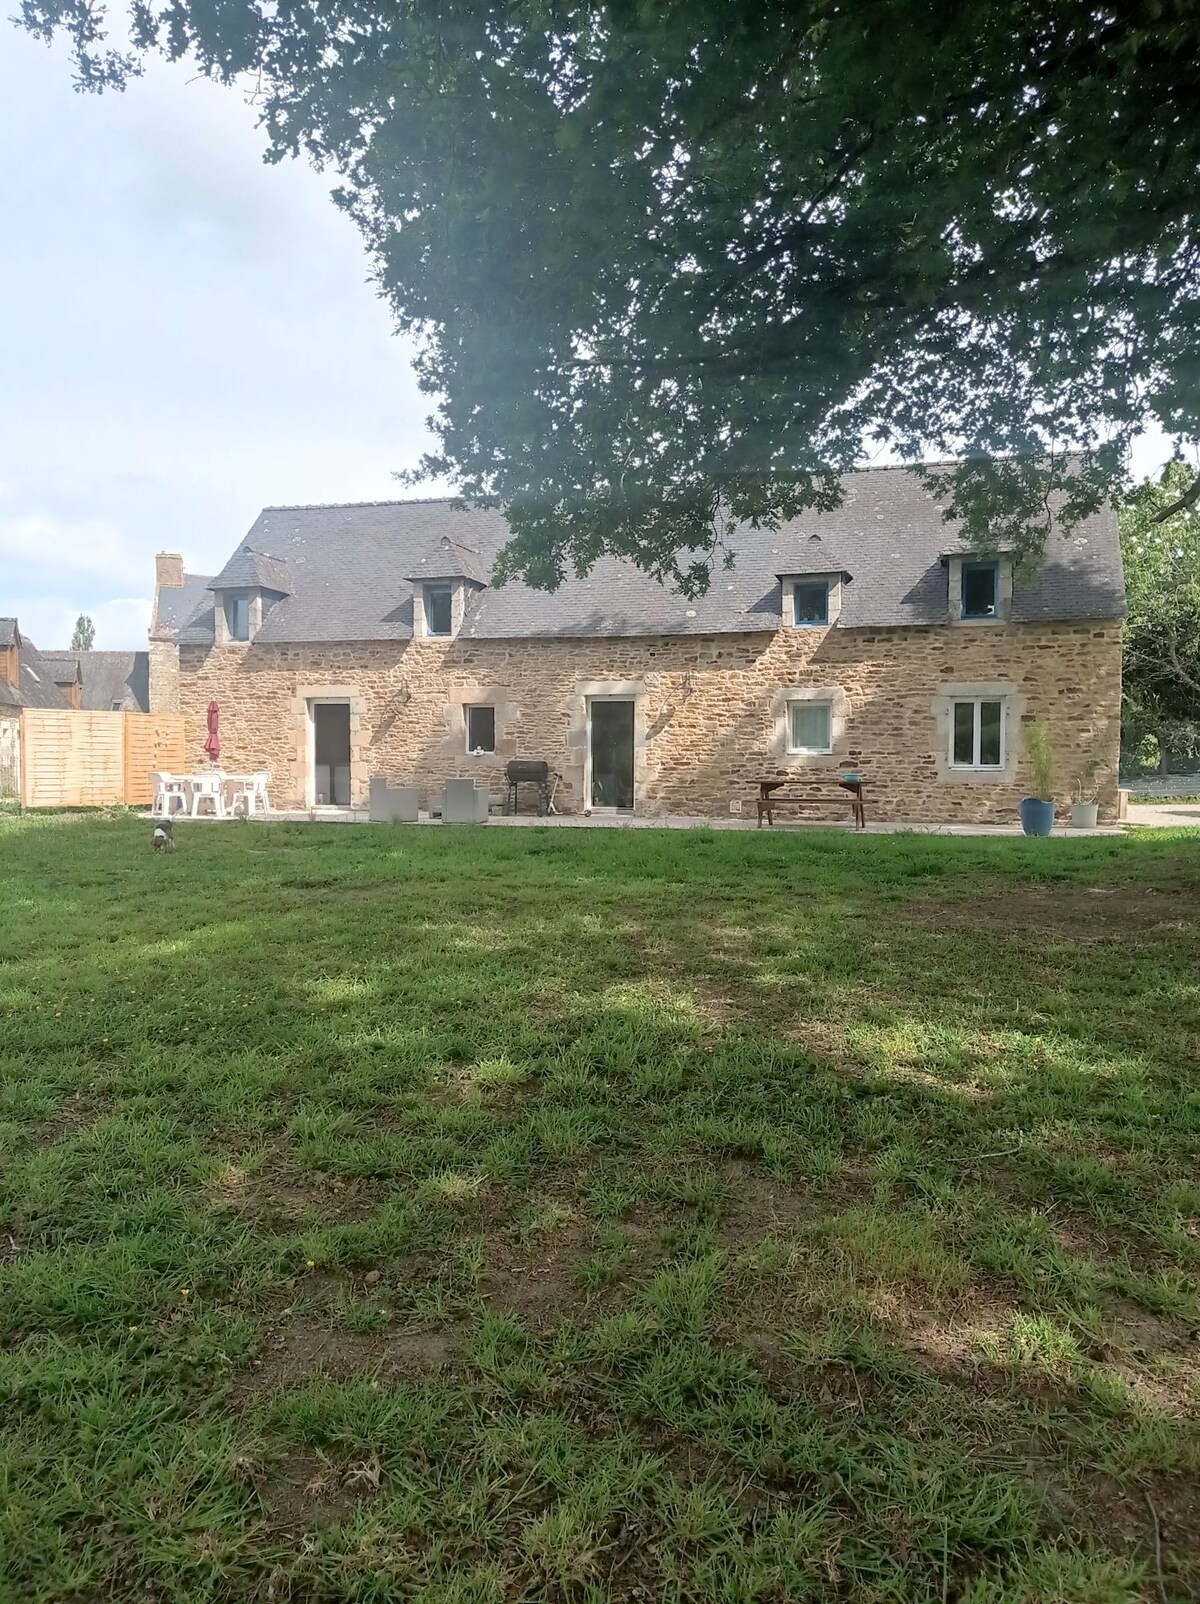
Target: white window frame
<point>808,751</point>
<point>817,580</point>
<point>833,599</point>
<point>975,766</point>
<point>468,709</point>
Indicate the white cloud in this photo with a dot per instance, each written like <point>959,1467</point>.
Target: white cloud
<point>49,621</point>
<point>188,336</point>
<point>86,548</point>
<point>125,619</point>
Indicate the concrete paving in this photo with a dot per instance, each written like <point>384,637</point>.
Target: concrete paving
<point>681,821</point>
<point>1164,815</point>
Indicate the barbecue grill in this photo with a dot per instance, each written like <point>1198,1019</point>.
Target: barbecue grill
<point>531,771</point>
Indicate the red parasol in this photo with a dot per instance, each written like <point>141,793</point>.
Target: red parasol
<point>213,745</point>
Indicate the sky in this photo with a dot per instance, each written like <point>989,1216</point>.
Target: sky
<point>187,335</point>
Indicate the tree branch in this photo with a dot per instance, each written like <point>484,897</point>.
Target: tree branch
<point>1188,499</point>
<point>1181,673</point>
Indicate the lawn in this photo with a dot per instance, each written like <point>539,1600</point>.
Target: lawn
<point>591,1215</point>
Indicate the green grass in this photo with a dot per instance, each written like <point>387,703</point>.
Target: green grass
<point>466,1216</point>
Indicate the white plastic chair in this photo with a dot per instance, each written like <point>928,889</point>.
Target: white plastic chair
<point>170,794</point>
<point>251,790</point>
<point>208,788</point>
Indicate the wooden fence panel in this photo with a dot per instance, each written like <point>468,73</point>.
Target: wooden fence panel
<point>74,759</point>
<point>71,759</point>
<point>152,741</point>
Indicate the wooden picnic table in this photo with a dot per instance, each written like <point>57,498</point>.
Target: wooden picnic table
<point>769,797</point>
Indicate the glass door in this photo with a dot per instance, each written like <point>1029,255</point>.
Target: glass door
<point>611,725</point>
<point>331,754</point>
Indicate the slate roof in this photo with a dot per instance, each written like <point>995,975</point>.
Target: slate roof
<point>109,677</point>
<point>449,559</point>
<point>248,569</point>
<point>64,666</point>
<point>178,604</point>
<point>37,687</point>
<point>351,569</point>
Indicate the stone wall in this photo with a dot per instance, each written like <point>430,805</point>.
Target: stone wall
<point>710,711</point>
<point>164,677</point>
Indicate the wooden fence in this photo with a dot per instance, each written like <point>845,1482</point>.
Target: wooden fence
<point>92,760</point>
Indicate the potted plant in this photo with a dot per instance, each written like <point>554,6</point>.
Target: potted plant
<point>1085,801</point>
<point>1037,811</point>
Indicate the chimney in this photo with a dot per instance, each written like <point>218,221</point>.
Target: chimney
<point>168,570</point>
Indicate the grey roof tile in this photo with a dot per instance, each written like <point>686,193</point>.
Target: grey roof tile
<point>37,687</point>
<point>8,631</point>
<point>449,559</point>
<point>250,569</point>
<point>64,666</point>
<point>110,678</point>
<point>177,605</point>
<point>351,571</point>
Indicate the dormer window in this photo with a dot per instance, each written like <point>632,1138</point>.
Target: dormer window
<point>444,579</point>
<point>247,588</point>
<point>237,617</point>
<point>980,589</point>
<point>439,609</point>
<point>810,602</point>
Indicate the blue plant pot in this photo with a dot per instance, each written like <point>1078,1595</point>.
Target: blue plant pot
<point>1037,818</point>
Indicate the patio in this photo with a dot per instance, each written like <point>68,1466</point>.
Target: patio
<point>683,821</point>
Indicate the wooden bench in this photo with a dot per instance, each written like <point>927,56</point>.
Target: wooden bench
<point>771,796</point>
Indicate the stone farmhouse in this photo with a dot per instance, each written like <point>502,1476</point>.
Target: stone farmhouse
<point>342,642</point>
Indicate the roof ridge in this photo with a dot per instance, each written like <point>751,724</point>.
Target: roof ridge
<point>92,651</point>
<point>330,506</point>
<point>429,501</point>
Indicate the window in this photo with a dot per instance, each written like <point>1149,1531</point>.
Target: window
<point>117,706</point>
<point>977,735</point>
<point>437,609</point>
<point>810,602</point>
<point>237,617</point>
<point>481,729</point>
<point>810,727</point>
<point>980,587</point>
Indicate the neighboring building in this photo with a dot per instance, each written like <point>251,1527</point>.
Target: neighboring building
<point>64,670</point>
<point>102,682</point>
<point>26,680</point>
<point>347,641</point>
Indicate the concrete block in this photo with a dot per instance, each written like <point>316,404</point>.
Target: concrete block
<point>392,804</point>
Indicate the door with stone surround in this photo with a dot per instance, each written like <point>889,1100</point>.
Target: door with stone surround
<point>610,753</point>
<point>331,754</point>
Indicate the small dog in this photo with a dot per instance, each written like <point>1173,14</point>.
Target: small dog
<point>163,839</point>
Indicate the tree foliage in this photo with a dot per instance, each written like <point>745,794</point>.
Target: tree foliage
<point>84,637</point>
<point>1162,577</point>
<point>672,264</point>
